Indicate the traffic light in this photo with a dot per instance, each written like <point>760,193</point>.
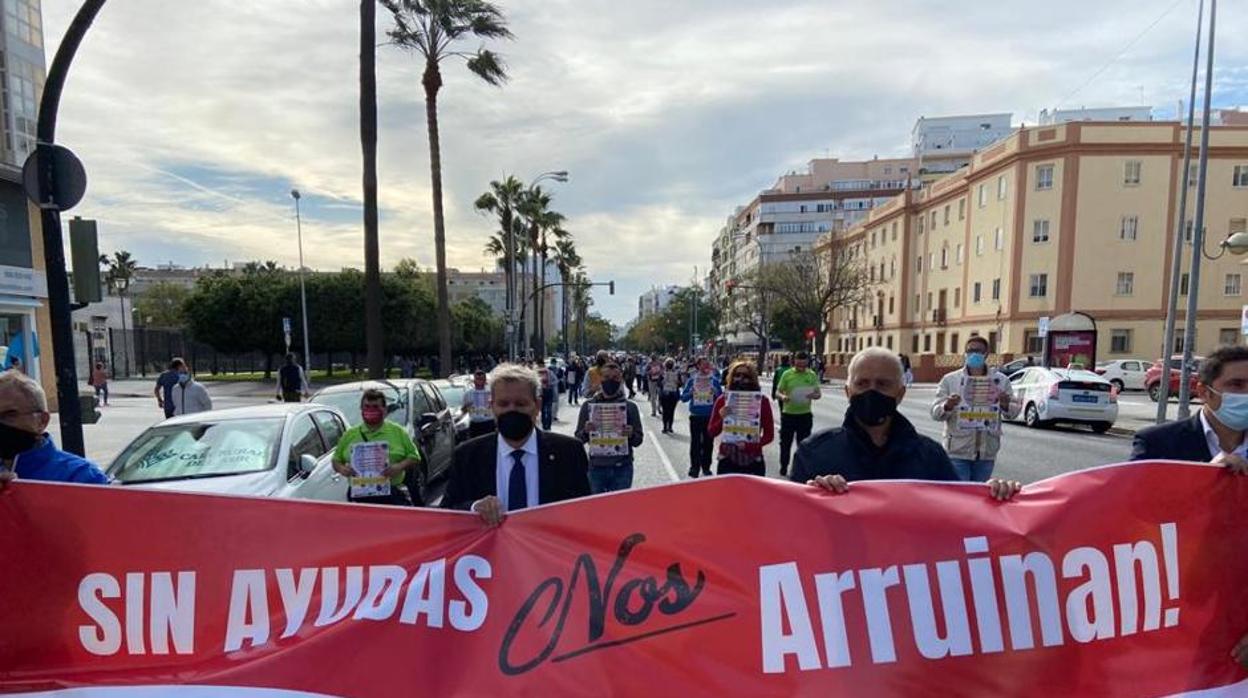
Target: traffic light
<point>810,333</point>
<point>611,287</point>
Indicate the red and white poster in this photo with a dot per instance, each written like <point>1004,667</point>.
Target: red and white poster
<point>1119,581</point>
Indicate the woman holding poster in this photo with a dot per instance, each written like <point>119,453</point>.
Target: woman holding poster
<point>742,419</point>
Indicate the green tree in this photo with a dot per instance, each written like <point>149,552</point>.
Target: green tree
<point>434,29</point>
<point>161,305</point>
<point>599,333</point>
<point>477,329</point>
<point>810,288</point>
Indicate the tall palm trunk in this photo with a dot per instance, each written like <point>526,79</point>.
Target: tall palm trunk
<point>432,81</point>
<point>533,297</point>
<point>368,143</point>
<point>541,302</point>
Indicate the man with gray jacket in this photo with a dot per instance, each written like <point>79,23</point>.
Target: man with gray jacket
<point>189,396</point>
<point>973,431</point>
<point>610,464</point>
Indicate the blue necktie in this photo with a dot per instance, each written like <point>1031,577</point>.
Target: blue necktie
<point>517,486</point>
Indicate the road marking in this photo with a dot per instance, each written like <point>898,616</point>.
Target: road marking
<point>667,463</point>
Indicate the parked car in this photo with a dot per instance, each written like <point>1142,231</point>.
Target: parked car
<point>1125,374</point>
<point>453,393</point>
<point>1152,377</point>
<point>279,450</point>
<point>1019,364</point>
<point>419,407</point>
<point>1044,396</point>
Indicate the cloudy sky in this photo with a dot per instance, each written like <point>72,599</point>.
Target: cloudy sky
<point>196,117</point>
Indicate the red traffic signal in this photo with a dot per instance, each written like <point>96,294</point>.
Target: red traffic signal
<point>810,333</point>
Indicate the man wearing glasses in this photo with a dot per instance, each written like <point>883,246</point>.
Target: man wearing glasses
<point>26,450</point>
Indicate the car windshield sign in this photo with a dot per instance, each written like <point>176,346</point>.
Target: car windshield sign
<point>200,449</point>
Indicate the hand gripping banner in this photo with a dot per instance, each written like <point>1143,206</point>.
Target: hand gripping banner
<point>1127,580</point>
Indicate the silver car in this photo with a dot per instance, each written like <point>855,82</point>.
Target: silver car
<point>1044,396</point>
<point>278,450</point>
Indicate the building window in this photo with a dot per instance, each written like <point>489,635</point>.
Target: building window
<point>1044,177</point>
<point>946,214</point>
<point>1126,283</point>
<point>959,253</point>
<point>933,220</point>
<point>992,340</point>
<point>931,261</point>
<point>1240,177</point>
<point>975,292</point>
<point>1184,280</point>
<point>1033,343</point>
<point>1131,173</point>
<point>1187,233</point>
<point>961,209</point>
<point>914,344</point>
<point>1039,285</point>
<point>1193,174</point>
<point>944,258</point>
<point>996,289</point>
<point>928,304</point>
<point>927,344</point>
<point>957,299</point>
<point>890,341</point>
<point>921,224</point>
<point>983,195</point>
<point>873,241</point>
<point>1120,342</point>
<point>894,231</point>
<point>1178,342</point>
<point>1228,335</point>
<point>1040,231</point>
<point>917,301</point>
<point>872,273</point>
<point>892,268</point>
<point>1232,287</point>
<point>979,245</point>
<point>953,343</point>
<point>890,305</point>
<point>1128,228</point>
<point>1000,244</point>
<point>1002,188</point>
<point>918,264</point>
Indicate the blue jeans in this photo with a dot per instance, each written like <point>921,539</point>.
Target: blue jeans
<point>972,470</point>
<point>548,408</point>
<point>610,478</point>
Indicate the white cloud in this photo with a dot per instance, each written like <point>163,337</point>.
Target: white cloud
<point>667,114</point>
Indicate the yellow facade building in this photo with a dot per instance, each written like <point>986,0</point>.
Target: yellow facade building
<point>1050,220</point>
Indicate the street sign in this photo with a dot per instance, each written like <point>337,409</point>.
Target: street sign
<point>1243,320</point>
<point>63,189</point>
<point>1044,327</point>
<point>286,332</point>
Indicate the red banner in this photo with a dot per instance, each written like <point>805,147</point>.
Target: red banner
<point>1118,581</point>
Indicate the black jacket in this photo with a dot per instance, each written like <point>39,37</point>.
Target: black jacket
<point>1184,440</point>
<point>848,451</point>
<point>563,470</point>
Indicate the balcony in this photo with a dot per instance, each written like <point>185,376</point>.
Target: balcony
<point>877,321</point>
<point>939,316</point>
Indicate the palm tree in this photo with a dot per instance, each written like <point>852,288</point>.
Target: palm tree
<point>539,220</point>
<point>433,28</point>
<point>551,225</point>
<point>121,268</point>
<point>569,261</point>
<point>502,200</point>
<point>368,145</point>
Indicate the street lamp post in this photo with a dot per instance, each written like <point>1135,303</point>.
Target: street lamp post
<point>303,292</point>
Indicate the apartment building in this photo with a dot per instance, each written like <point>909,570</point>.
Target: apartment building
<point>1054,219</point>
<point>655,300</point>
<point>945,144</point>
<point>790,217</point>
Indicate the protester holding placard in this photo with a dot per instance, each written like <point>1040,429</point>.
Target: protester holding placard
<point>669,395</point>
<point>359,449</point>
<point>701,391</point>
<point>477,406</point>
<point>796,388</point>
<point>970,401</point>
<point>610,426</point>
<point>742,419</point>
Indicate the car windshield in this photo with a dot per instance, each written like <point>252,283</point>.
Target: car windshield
<point>452,393</point>
<point>349,402</point>
<point>200,449</point>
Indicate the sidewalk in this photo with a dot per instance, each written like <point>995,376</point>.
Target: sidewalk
<point>144,387</point>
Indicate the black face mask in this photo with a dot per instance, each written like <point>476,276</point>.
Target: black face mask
<point>515,425</point>
<point>14,441</point>
<point>872,407</point>
<point>742,385</point>
<point>610,387</point>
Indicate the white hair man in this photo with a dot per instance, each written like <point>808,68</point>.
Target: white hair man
<point>876,442</point>
<point>520,466</point>
<point>27,452</point>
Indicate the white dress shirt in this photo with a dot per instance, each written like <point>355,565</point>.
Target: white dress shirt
<point>1215,446</point>
<point>506,462</point>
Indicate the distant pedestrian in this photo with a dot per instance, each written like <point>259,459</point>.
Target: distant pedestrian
<point>630,376</point>
<point>654,384</point>
<point>700,391</point>
<point>549,395</point>
<point>165,383</point>
<point>99,381</point>
<point>593,377</point>
<point>784,366</point>
<point>189,396</point>
<point>557,380</point>
<point>745,458</point>
<point>615,472</point>
<point>477,406</point>
<point>573,377</point>
<point>797,387</point>
<point>669,393</point>
<point>292,381</point>
<point>972,444</point>
<point>27,451</point>
<point>907,372</point>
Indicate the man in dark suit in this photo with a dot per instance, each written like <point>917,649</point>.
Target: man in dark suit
<point>1216,433</point>
<point>520,466</point>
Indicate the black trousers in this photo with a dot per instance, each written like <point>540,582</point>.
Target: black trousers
<point>399,497</point>
<point>700,444</point>
<point>476,429</point>
<point>727,467</point>
<point>793,427</point>
<point>668,402</point>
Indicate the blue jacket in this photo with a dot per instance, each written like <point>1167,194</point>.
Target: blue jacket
<point>48,463</point>
<point>686,395</point>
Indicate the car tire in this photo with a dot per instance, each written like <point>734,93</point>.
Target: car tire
<point>1032,416</point>
<point>418,485</point>
<point>1101,427</point>
<point>1154,392</point>
<point>1118,384</point>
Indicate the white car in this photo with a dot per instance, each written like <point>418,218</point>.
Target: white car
<point>279,450</point>
<point>1044,396</point>
<point>1124,374</point>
